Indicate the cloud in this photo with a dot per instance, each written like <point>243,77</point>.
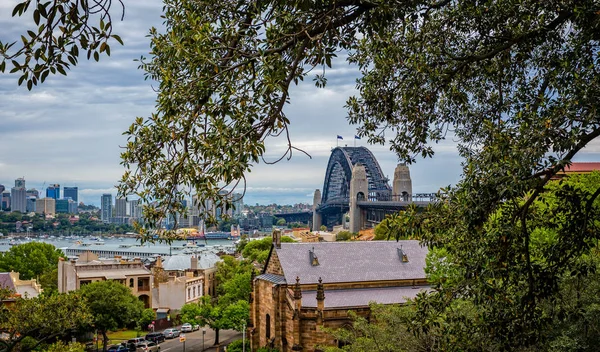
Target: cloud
<point>69,129</point>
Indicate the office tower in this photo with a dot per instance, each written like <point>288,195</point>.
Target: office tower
<point>18,196</point>
<point>45,206</point>
<point>53,191</point>
<point>33,193</point>
<point>73,206</point>
<point>30,207</point>
<point>106,207</point>
<point>20,182</point>
<point>2,188</point>
<point>71,192</point>
<point>5,200</point>
<point>62,206</point>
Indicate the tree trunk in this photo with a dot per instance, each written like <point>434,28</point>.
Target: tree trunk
<point>104,341</point>
<point>216,337</point>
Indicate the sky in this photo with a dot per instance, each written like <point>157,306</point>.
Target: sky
<point>69,129</point>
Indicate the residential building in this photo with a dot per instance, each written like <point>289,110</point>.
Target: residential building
<point>238,203</point>
<point>121,207</point>
<point>106,207</point>
<point>88,268</point>
<point>45,206</point>
<point>202,264</point>
<point>307,288</point>
<point>71,192</point>
<point>173,291</point>
<point>53,191</point>
<point>20,288</point>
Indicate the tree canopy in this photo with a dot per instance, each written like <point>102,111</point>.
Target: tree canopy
<point>112,305</point>
<point>42,318</point>
<point>32,260</point>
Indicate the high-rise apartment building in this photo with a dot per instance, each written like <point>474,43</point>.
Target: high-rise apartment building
<point>71,192</point>
<point>121,207</point>
<point>106,207</point>
<point>134,209</point>
<point>238,203</point>
<point>18,196</point>
<point>53,191</point>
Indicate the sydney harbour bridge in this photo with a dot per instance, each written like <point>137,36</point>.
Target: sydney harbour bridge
<point>355,185</point>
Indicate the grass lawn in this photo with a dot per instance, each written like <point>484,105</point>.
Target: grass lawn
<point>116,337</point>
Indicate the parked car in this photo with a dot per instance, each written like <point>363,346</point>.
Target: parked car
<point>136,340</point>
<point>171,333</point>
<point>147,346</point>
<point>156,337</point>
<point>117,348</point>
<point>187,327</point>
<point>196,327</point>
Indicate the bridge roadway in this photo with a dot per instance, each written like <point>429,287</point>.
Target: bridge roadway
<point>376,210</point>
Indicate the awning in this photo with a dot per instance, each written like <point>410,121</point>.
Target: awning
<point>115,276</point>
<point>162,310</point>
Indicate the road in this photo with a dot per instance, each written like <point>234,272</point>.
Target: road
<point>194,341</point>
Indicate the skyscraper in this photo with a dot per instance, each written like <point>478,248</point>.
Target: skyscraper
<point>71,192</point>
<point>106,207</point>
<point>18,196</point>
<point>53,191</point>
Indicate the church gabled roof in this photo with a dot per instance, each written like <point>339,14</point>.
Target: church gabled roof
<point>352,261</point>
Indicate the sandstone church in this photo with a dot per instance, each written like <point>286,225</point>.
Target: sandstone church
<point>306,287</point>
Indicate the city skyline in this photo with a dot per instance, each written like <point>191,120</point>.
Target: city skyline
<point>69,129</point>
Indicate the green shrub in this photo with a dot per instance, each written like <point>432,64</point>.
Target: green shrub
<point>236,346</point>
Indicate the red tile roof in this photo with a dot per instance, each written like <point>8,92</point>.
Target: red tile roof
<point>583,167</point>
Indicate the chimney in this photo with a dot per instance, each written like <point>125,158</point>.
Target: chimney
<point>277,238</point>
<point>314,260</point>
<point>320,295</point>
<point>194,264</point>
<point>403,257</point>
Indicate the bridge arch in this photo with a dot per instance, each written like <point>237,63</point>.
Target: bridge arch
<point>336,186</point>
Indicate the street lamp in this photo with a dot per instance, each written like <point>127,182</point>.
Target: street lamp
<point>203,333</point>
<point>244,338</point>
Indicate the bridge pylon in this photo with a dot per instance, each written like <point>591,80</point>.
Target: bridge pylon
<point>359,191</point>
<point>402,187</point>
<point>317,220</point>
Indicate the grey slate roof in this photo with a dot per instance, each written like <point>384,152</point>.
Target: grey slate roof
<point>183,262</point>
<point>362,296</point>
<point>6,282</point>
<point>352,261</point>
<point>276,279</point>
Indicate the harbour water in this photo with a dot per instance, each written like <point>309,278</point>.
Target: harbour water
<point>127,247</point>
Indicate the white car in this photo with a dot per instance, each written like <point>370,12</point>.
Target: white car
<point>187,327</point>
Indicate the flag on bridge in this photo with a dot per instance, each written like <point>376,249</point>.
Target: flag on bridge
<point>339,137</point>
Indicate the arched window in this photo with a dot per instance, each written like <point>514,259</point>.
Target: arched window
<point>189,290</point>
<point>268,328</point>
<point>194,291</point>
<point>130,282</point>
